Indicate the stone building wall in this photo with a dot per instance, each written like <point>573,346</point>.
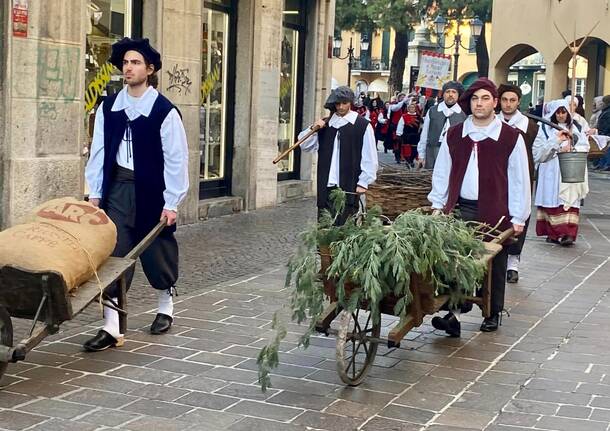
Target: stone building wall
<point>537,33</point>
<point>43,112</point>
<point>44,128</point>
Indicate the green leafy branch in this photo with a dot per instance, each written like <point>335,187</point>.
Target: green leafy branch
<point>375,260</point>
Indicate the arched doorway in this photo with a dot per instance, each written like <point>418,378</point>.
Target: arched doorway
<point>468,79</point>
<point>523,66</point>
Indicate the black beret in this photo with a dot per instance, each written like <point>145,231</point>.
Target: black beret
<point>150,54</point>
<point>503,88</point>
<point>339,94</point>
<point>453,85</point>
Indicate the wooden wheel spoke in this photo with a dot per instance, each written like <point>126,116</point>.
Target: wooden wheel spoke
<point>368,320</point>
<point>351,369</point>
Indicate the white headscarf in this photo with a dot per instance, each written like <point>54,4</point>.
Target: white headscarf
<point>552,107</point>
<point>569,99</point>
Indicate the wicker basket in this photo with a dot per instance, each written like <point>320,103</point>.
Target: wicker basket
<point>397,191</point>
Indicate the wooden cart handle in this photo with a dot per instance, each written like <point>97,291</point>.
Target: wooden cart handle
<point>147,240</point>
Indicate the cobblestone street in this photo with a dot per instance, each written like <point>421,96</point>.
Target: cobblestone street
<point>548,367</point>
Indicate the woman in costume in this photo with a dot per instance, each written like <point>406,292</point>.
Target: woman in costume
<point>558,203</point>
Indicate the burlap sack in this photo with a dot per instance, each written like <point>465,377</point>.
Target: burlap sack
<point>65,235</point>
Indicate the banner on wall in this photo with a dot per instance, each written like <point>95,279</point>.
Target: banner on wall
<point>20,18</point>
<point>433,70</point>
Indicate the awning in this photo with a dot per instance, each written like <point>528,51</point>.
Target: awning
<point>378,86</point>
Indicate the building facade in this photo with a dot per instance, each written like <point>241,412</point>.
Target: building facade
<point>247,76</point>
<point>538,23</point>
<point>372,67</point>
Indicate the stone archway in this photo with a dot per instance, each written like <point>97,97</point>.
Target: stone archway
<point>510,57</point>
<point>525,66</point>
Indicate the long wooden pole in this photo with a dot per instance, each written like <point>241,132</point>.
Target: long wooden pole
<point>574,49</point>
<point>297,144</point>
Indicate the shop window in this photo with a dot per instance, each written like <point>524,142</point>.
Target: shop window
<point>213,108</point>
<point>291,85</point>
<point>107,22</point>
<point>288,96</point>
<point>217,97</point>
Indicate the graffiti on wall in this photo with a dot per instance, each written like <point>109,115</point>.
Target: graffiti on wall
<point>58,69</point>
<point>179,80</point>
<point>47,110</point>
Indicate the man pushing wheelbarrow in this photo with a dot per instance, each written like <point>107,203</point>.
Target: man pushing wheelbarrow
<point>482,171</point>
<point>138,173</point>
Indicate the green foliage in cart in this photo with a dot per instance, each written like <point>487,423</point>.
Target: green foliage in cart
<point>378,259</point>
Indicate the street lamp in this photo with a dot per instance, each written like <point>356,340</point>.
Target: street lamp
<point>364,46</point>
<point>476,26</point>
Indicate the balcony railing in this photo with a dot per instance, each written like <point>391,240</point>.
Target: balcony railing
<point>370,64</point>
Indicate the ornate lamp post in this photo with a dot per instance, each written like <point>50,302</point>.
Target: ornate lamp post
<point>364,46</point>
<point>476,25</point>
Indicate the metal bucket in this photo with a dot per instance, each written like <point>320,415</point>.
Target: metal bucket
<point>573,166</point>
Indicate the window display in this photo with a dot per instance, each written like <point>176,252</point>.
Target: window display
<point>212,111</point>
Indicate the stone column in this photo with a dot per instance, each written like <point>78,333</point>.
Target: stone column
<point>175,29</point>
<point>421,42</point>
<point>556,80</point>
<point>44,112</point>
<point>321,19</point>
<point>3,106</point>
<point>267,48</point>
<point>240,182</point>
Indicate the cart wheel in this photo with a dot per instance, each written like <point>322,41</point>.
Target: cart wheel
<point>6,335</point>
<point>355,349</point>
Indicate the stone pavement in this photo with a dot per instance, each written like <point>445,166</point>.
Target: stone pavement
<point>548,367</point>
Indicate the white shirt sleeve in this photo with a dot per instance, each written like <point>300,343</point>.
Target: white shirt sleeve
<point>311,144</point>
<point>397,106</point>
<point>175,156</point>
<point>381,118</point>
<point>440,177</point>
<point>519,192</point>
<point>94,172</point>
<point>423,139</point>
<point>369,162</point>
<point>400,127</point>
<point>544,149</point>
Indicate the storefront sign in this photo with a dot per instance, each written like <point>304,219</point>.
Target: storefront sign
<point>433,70</point>
<point>20,18</point>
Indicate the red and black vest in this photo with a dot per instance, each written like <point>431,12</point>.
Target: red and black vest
<point>493,172</point>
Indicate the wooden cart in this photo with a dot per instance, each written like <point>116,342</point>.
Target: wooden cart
<point>358,335</point>
<point>41,296</point>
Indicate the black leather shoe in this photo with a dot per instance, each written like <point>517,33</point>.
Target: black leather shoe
<point>512,276</point>
<point>448,323</point>
<point>566,241</point>
<point>161,324</point>
<point>102,341</point>
<point>490,324</point>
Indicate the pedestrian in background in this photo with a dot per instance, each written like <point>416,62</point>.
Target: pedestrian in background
<point>408,132</point>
